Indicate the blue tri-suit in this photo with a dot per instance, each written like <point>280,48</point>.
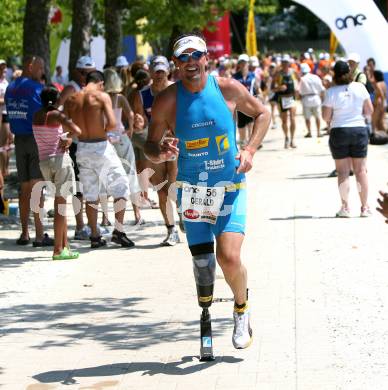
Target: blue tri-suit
<point>206,131</point>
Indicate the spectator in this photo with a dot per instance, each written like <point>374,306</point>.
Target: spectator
<point>311,91</point>
<point>58,77</point>
<point>83,67</point>
<point>55,163</point>
<point>22,100</point>
<point>345,107</point>
<point>380,100</point>
<point>121,62</point>
<point>357,74</point>
<point>120,137</point>
<point>6,138</point>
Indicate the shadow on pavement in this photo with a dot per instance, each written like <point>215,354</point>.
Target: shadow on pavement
<point>9,244</point>
<point>67,377</point>
<point>311,176</point>
<point>318,155</point>
<point>13,263</point>
<point>294,217</point>
<point>117,324</point>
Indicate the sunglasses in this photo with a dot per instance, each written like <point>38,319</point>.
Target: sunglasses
<point>195,55</point>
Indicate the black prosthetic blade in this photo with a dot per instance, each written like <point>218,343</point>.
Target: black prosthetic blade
<point>206,337</point>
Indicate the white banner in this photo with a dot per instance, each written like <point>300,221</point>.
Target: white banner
<point>358,24</point>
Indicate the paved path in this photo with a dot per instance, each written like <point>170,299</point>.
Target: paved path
<point>128,319</point>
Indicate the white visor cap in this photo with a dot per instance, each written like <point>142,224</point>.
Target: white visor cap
<point>189,42</point>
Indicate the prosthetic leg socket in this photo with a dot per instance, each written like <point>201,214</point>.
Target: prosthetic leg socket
<point>204,267</point>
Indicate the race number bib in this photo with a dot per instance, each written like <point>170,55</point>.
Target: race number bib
<point>287,102</point>
<point>201,204</point>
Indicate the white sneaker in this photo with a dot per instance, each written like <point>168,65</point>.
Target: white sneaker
<point>83,234</point>
<point>343,213</point>
<point>172,237</point>
<point>365,212</point>
<point>103,230</point>
<point>242,332</point>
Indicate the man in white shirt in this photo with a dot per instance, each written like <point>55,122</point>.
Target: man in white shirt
<point>311,91</point>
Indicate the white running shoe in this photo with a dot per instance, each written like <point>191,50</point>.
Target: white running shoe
<point>343,213</point>
<point>103,230</point>
<point>365,212</point>
<point>172,237</point>
<point>83,234</point>
<point>242,332</point>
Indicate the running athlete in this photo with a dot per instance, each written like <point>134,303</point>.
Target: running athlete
<point>247,79</point>
<point>164,174</point>
<point>200,110</point>
<point>285,88</point>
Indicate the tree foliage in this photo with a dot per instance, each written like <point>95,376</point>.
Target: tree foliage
<point>159,19</point>
<point>11,27</point>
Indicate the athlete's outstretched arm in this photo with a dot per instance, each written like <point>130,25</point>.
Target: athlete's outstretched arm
<point>156,149</point>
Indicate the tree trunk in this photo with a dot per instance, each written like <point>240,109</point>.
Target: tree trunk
<point>36,37</point>
<point>81,31</point>
<point>176,31</point>
<point>113,30</point>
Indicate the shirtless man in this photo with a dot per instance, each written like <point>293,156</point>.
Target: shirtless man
<point>84,65</point>
<point>100,169</point>
<point>200,110</point>
<point>167,171</point>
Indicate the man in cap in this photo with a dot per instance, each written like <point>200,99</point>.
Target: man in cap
<point>200,111</point>
<point>247,79</point>
<point>354,62</point>
<point>83,67</point>
<point>306,59</point>
<point>284,86</point>
<point>311,91</point>
<point>164,174</point>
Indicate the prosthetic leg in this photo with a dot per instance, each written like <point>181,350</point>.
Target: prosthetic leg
<point>204,265</point>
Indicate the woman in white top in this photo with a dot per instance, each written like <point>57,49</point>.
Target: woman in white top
<point>346,106</point>
<point>121,136</point>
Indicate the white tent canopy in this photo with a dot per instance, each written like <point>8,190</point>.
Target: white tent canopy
<point>358,24</point>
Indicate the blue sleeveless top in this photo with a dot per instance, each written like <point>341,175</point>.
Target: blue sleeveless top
<point>206,131</point>
<point>147,98</point>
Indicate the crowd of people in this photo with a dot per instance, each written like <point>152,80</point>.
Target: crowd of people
<point>277,80</point>
<point>113,135</point>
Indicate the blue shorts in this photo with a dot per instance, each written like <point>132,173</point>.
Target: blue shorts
<point>232,218</point>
